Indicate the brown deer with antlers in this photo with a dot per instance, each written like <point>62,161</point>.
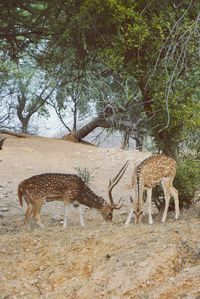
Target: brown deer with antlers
<point>68,188</point>
<point>153,170</point>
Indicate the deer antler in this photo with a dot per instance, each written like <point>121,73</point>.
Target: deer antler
<point>113,182</point>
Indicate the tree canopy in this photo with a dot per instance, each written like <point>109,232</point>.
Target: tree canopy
<point>134,64</point>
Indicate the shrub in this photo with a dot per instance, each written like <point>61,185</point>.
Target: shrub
<point>84,174</point>
<point>187,179</point>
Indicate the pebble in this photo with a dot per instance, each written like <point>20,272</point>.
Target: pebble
<point>3,186</point>
<point>57,218</point>
<point>4,209</point>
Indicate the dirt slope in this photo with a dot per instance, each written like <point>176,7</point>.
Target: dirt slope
<point>99,261</point>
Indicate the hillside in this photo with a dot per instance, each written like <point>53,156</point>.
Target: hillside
<point>101,260</point>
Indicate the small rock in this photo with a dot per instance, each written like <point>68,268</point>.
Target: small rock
<point>35,242</point>
<point>131,263</point>
<point>3,186</point>
<point>57,218</point>
<point>34,281</point>
<point>108,256</point>
<point>4,209</point>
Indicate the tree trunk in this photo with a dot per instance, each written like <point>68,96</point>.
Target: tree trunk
<point>77,136</point>
<point>8,132</point>
<point>1,142</point>
<point>125,140</point>
<point>167,144</point>
<point>23,119</point>
<point>147,104</point>
<point>75,116</point>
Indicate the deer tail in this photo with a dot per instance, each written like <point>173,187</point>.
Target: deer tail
<point>20,195</point>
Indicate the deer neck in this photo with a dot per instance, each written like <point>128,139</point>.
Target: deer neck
<point>91,200</point>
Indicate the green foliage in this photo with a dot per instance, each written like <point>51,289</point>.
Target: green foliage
<point>174,121</point>
<point>187,179</point>
<point>187,182</point>
<point>94,49</point>
<point>84,174</point>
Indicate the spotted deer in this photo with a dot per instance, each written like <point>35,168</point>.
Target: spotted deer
<point>68,188</point>
<point>153,170</point>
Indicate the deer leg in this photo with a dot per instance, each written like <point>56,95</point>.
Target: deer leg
<point>36,213</point>
<point>81,216</point>
<point>28,214</point>
<point>66,213</point>
<point>130,216</point>
<point>174,193</point>
<point>167,194</point>
<point>149,204</point>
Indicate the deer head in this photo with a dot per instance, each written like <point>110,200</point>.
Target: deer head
<point>107,211</point>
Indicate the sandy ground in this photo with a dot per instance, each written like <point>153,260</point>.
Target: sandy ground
<point>98,261</point>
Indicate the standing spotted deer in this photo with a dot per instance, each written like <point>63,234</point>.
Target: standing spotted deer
<point>68,188</point>
<point>153,170</point>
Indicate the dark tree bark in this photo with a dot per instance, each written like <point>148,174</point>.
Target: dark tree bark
<point>147,99</point>
<point>78,135</point>
<point>1,143</point>
<point>163,139</point>
<point>20,110</point>
<point>8,132</point>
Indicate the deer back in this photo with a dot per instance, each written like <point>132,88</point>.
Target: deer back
<point>55,186</point>
<point>154,168</point>
<point>52,185</point>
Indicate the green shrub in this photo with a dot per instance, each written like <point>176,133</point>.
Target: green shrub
<point>187,179</point>
<point>84,174</point>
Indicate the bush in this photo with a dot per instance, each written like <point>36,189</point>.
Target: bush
<point>187,180</point>
<point>84,174</point>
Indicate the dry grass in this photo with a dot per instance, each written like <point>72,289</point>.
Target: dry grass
<point>99,261</point>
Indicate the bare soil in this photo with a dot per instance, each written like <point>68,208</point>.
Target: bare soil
<point>101,260</point>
